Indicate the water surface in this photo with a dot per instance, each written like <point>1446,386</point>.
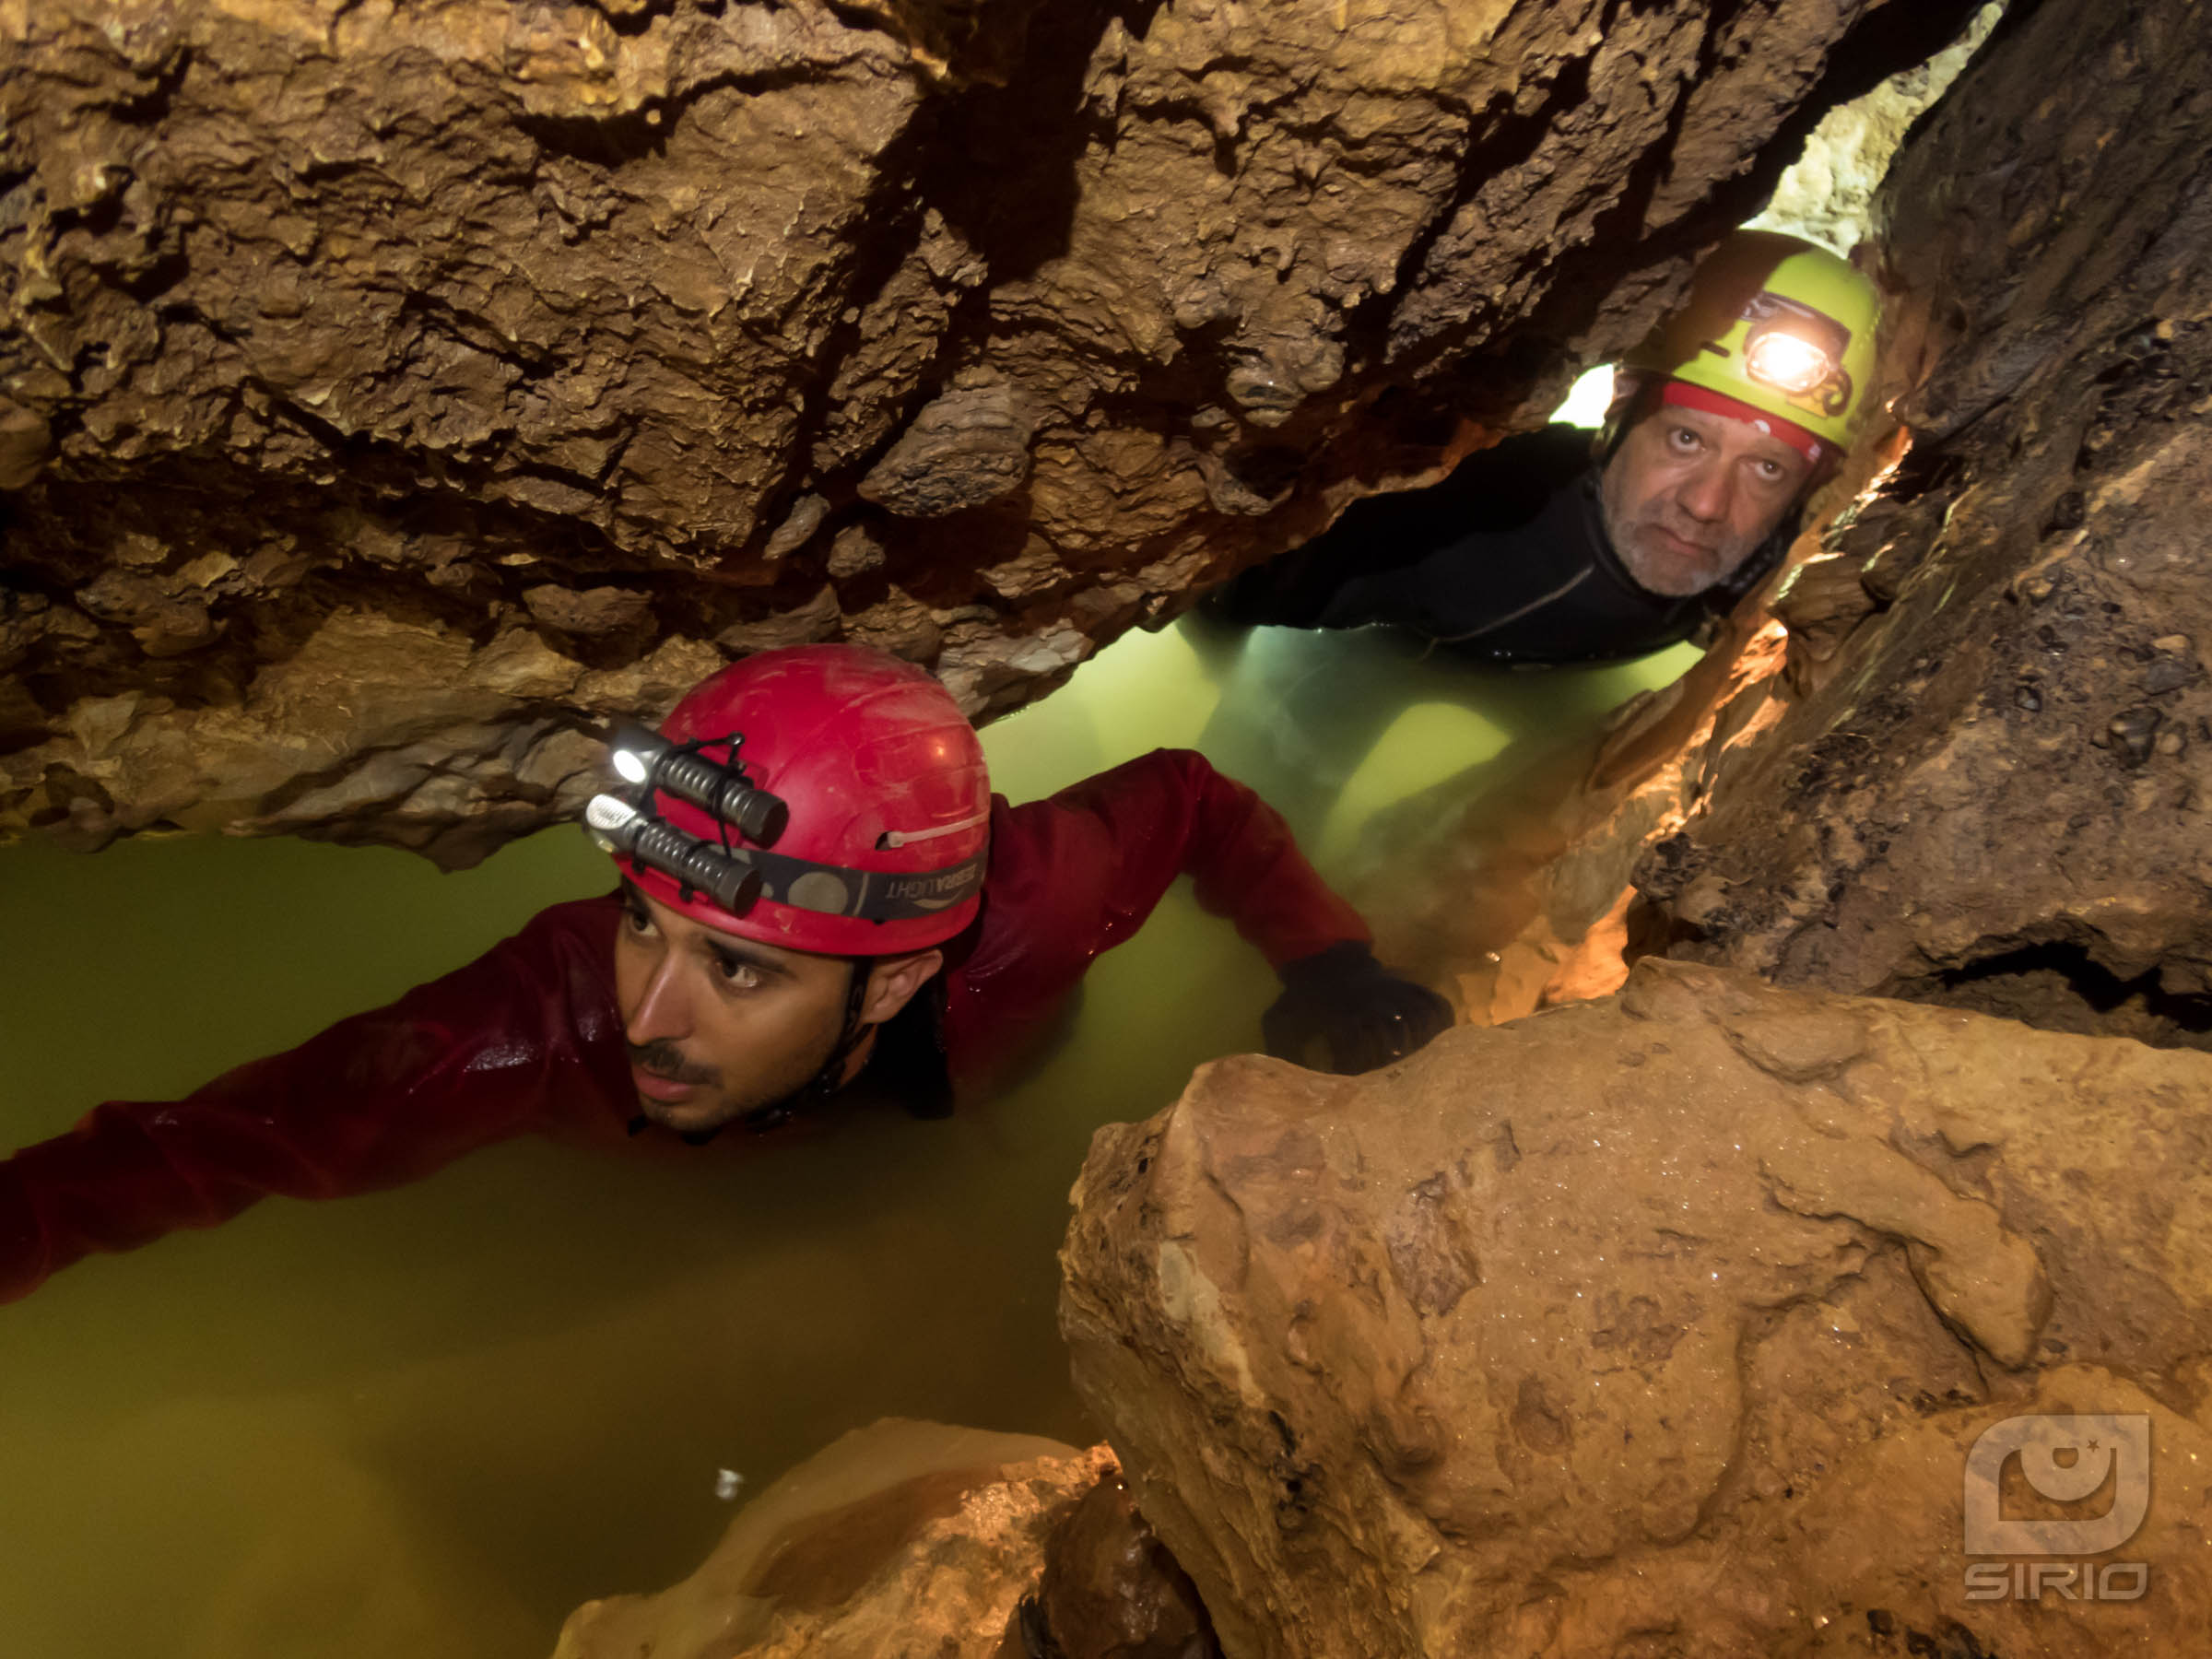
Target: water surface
<point>431,1421</point>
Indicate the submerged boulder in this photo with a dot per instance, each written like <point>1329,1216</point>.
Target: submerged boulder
<point>901,1537</point>
<point>919,1539</point>
<point>1664,1323</point>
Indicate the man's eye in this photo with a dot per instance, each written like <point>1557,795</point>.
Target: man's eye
<point>1684,437</point>
<point>743,975</point>
<point>639,920</point>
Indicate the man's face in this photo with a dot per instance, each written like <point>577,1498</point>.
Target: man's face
<point>717,1025</point>
<point>1690,495</point>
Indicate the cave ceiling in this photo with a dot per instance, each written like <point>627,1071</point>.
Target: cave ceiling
<point>388,395</point>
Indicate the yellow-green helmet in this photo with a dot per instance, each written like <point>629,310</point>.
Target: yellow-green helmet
<point>1777,324</point>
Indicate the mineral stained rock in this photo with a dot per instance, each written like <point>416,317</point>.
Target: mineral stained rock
<point>1659,1325</point>
<point>1510,894</point>
<point>913,1540</point>
<point>337,340</point>
<point>902,1538</point>
<point>1986,782</point>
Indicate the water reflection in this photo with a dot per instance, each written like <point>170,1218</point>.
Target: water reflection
<point>435,1419</point>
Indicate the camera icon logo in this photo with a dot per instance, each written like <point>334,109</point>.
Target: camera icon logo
<point>2065,1459</point>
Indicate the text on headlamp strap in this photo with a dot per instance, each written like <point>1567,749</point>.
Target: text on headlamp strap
<point>867,895</point>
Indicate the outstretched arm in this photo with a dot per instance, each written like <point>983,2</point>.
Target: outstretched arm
<point>1078,873</point>
<point>524,1033</point>
<point>1169,814</point>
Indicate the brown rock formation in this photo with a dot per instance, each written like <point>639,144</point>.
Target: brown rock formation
<point>1659,1325</point>
<point>1987,783</point>
<point>898,1538</point>
<point>910,1539</point>
<point>390,392</point>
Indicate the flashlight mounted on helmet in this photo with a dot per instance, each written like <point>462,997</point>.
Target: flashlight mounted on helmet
<point>647,761</point>
<point>620,828</point>
<point>1796,350</point>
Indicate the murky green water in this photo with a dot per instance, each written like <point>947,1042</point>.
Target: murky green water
<point>429,1422</point>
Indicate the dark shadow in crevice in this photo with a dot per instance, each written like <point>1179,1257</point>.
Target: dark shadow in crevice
<point>2059,986</point>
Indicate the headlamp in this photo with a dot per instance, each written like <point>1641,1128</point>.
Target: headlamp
<point>646,759</point>
<point>1786,361</point>
<point>619,827</point>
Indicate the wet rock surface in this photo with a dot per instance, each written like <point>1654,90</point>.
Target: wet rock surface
<point>1661,1323</point>
<point>1986,782</point>
<point>557,351</point>
<point>913,1538</point>
<point>898,1538</point>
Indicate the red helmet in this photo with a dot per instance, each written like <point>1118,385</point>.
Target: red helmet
<point>889,802</point>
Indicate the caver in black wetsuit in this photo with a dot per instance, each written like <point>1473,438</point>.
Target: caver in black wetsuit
<point>1506,560</point>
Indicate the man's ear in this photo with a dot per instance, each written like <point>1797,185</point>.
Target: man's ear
<point>893,981</point>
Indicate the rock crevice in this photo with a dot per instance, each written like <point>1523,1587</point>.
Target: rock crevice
<point>980,333</point>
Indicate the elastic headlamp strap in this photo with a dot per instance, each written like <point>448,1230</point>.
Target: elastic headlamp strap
<point>1684,395</point>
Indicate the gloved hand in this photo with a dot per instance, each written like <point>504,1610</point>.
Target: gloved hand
<point>1343,1011</point>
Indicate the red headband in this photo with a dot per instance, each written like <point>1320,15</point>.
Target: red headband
<point>1713,403</point>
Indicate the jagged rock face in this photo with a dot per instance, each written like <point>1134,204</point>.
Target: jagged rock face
<point>901,1537</point>
<point>1658,1324</point>
<point>387,393</point>
<point>1988,787</point>
<point>917,1538</point>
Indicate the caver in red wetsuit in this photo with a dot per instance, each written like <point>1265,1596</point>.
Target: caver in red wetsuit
<point>528,1038</point>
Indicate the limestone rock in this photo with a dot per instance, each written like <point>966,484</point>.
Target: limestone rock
<point>1659,1325</point>
<point>1828,192</point>
<point>416,314</point>
<point>909,1540</point>
<point>1110,1590</point>
<point>1509,894</point>
<point>968,447</point>
<point>900,1539</point>
<point>1982,781</point>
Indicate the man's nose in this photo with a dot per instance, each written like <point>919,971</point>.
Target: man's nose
<point>664,1010</point>
<point>1707,493</point>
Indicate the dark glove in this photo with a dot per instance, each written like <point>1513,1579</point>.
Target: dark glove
<point>1343,1011</point>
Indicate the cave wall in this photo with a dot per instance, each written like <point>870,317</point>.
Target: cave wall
<point>1987,782</point>
<point>388,392</point>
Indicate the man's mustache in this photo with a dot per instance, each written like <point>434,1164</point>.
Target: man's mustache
<point>665,1060</point>
<point>1695,536</point>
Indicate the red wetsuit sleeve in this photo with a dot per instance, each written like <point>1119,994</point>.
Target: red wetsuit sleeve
<point>1169,814</point>
<point>523,1037</point>
<point>1078,873</point>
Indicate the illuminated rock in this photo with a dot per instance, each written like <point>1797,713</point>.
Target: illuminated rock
<point>1660,1324</point>
<point>1985,783</point>
<point>433,315</point>
<point>917,1538</point>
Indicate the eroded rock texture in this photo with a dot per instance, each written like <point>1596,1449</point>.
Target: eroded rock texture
<point>391,391</point>
<point>898,1538</point>
<point>1658,1324</point>
<point>911,1538</point>
<point>1989,784</point>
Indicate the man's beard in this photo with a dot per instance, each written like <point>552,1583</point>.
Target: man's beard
<point>665,1059</point>
<point>1658,566</point>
